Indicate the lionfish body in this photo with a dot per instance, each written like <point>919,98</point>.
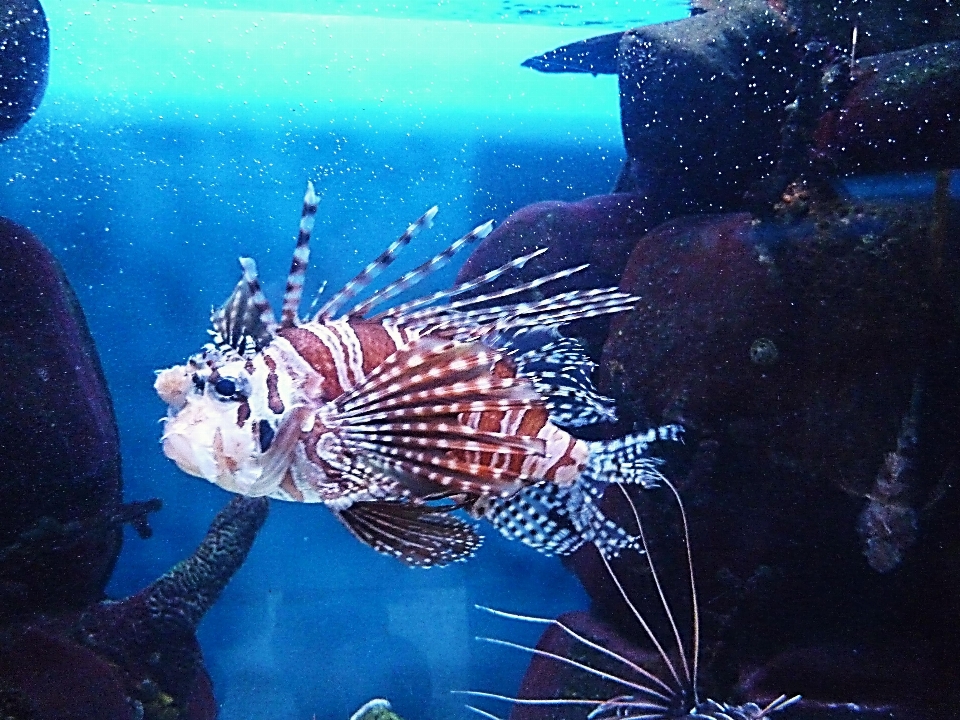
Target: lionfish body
<point>394,420</point>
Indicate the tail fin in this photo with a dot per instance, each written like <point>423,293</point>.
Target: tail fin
<point>625,459</point>
<point>557,520</point>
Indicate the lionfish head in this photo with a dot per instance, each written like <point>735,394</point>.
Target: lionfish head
<point>234,413</point>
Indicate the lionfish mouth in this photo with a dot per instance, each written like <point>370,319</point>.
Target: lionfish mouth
<point>647,695</point>
<point>278,458</point>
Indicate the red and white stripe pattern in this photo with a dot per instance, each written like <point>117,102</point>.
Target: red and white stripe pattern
<point>433,399</point>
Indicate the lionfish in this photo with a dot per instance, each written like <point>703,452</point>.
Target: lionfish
<point>454,400</point>
<point>673,694</point>
<point>396,419</point>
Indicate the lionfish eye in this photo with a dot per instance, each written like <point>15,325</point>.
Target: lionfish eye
<point>227,388</point>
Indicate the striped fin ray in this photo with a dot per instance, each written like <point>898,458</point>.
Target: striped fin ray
<point>457,305</point>
<point>450,474</point>
<point>427,438</point>
<point>407,408</point>
<point>549,312</point>
<point>411,278</point>
<point>450,463</point>
<point>444,436</point>
<point>301,256</point>
<point>560,370</point>
<point>417,535</point>
<point>465,287</point>
<point>557,520</point>
<point>625,460</point>
<point>366,276</point>
<point>245,323</point>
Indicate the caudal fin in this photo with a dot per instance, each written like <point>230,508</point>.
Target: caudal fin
<point>625,460</point>
<point>558,520</point>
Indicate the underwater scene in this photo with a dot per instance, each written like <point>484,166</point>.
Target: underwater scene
<point>499,359</point>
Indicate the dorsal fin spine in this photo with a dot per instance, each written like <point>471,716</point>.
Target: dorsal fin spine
<point>422,271</point>
<point>371,271</point>
<point>259,300</point>
<point>301,257</point>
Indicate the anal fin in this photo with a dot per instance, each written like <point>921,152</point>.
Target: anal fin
<point>417,535</point>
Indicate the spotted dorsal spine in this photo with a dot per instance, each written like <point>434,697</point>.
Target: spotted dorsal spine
<point>465,287</point>
<point>257,298</point>
<point>301,256</point>
<point>366,276</point>
<point>411,278</point>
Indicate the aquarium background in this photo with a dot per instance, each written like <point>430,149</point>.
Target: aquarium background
<point>175,137</point>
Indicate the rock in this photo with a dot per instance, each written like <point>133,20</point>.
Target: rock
<point>59,446</point>
<point>701,105</point>
<point>785,447</point>
<point>68,653</point>
<point>801,340</point>
<point>882,25</point>
<point>137,657</point>
<point>901,113</point>
<point>24,62</point>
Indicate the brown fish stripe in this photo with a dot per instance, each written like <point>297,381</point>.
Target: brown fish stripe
<point>318,356</point>
<point>274,402</point>
<point>376,343</point>
<point>243,412</point>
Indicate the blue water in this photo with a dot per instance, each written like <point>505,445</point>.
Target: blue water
<point>176,137</point>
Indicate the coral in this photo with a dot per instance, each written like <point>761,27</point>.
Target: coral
<point>137,657</point>
<point>378,709</point>
<point>151,634</point>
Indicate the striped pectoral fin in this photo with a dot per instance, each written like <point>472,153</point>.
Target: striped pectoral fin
<point>450,471</point>
<point>417,535</point>
<point>442,413</point>
<point>431,369</point>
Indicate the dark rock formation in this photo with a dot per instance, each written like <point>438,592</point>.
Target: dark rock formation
<point>701,105</point>
<point>811,357</point>
<point>66,653</point>
<point>807,358</point>
<point>901,113</point>
<point>136,657</point>
<point>725,109</point>
<point>24,61</point>
<point>800,339</point>
<point>58,440</point>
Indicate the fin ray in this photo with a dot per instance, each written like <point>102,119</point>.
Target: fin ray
<point>420,536</point>
<point>366,276</point>
<point>301,257</point>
